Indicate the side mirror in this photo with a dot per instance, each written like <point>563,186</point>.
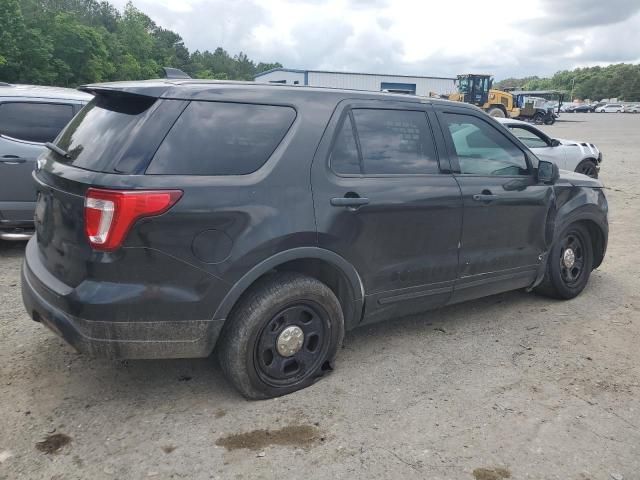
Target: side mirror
<point>555,143</point>
<point>548,172</point>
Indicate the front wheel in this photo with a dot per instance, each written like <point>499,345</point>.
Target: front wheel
<point>550,120</point>
<point>538,118</point>
<point>569,264</point>
<point>588,168</point>
<point>282,336</point>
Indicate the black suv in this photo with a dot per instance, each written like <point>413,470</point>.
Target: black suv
<point>265,220</point>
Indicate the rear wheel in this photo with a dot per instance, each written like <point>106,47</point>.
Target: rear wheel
<point>569,265</point>
<point>282,336</point>
<point>538,118</point>
<point>496,112</point>
<point>588,167</point>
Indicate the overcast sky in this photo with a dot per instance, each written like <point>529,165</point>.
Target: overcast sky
<point>532,37</point>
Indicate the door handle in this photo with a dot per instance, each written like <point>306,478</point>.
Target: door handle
<point>485,196</point>
<point>352,202</point>
<point>12,159</point>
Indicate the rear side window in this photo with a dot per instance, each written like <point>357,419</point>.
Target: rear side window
<point>97,138</point>
<point>34,122</point>
<point>217,138</point>
<point>392,142</point>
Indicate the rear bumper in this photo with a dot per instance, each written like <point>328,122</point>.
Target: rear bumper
<point>117,339</point>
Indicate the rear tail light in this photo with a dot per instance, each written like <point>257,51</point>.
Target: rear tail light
<point>109,214</point>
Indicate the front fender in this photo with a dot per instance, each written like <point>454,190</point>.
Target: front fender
<point>577,204</point>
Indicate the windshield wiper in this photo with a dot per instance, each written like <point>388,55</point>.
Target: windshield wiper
<point>57,149</point>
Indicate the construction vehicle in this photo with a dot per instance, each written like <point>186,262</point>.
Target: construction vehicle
<point>476,89</point>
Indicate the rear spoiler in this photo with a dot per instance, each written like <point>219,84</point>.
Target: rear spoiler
<point>148,88</point>
<point>173,73</point>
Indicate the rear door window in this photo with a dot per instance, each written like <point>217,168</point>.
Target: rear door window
<point>345,159</point>
<point>218,138</point>
<point>34,121</point>
<point>395,142</point>
<point>391,142</point>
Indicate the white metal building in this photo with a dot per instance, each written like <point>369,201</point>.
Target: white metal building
<point>360,81</point>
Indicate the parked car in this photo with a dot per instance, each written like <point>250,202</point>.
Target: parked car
<point>30,116</point>
<point>582,108</point>
<point>567,107</point>
<point>611,108</point>
<point>265,220</point>
<point>573,155</point>
<point>632,109</point>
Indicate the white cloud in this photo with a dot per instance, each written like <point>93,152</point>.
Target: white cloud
<point>503,37</point>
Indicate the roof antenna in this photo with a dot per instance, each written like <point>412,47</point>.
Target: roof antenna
<point>174,73</point>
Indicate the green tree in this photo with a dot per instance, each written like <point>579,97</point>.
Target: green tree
<point>12,31</point>
<point>80,50</point>
<point>69,42</point>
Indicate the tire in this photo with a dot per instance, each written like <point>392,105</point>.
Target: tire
<point>538,118</point>
<point>248,348</point>
<point>550,121</point>
<point>561,281</point>
<point>496,112</point>
<point>588,167</point>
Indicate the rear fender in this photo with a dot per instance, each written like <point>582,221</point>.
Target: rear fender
<point>301,253</point>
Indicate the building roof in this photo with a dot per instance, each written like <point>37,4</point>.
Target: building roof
<point>40,91</point>
<point>293,70</point>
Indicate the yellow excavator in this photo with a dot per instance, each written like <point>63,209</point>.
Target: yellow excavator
<point>476,89</point>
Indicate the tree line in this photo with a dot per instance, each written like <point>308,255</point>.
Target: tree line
<point>73,42</point>
<point>621,81</point>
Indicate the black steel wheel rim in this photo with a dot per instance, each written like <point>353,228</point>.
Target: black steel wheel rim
<point>278,370</point>
<point>588,169</point>
<point>572,274</point>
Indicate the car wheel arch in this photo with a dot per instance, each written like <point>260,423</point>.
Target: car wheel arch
<point>327,266</point>
<point>583,161</point>
<point>597,232</point>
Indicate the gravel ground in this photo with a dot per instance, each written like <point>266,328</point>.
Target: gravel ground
<point>511,385</point>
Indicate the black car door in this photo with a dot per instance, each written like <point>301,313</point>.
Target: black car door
<point>385,203</point>
<point>503,237</point>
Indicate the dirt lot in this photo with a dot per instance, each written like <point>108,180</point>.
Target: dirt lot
<point>512,385</point>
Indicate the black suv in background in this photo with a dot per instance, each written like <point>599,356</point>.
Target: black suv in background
<point>265,220</point>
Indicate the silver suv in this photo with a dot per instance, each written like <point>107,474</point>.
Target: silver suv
<point>30,116</point>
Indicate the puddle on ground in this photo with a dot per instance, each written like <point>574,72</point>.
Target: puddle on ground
<point>53,443</point>
<point>293,435</point>
<point>496,473</point>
